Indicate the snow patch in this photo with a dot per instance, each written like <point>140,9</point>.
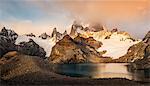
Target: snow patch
<point>116,46</point>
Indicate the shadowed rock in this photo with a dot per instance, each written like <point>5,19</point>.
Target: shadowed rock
<point>31,48</point>
<point>146,39</point>
<point>10,34</point>
<point>7,40</point>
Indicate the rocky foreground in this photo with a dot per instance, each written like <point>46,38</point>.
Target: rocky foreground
<point>19,69</point>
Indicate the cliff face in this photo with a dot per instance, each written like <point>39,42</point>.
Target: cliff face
<point>146,39</point>
<point>68,50</point>
<point>135,52</point>
<point>145,62</point>
<point>88,41</point>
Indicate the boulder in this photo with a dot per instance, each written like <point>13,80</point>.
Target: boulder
<point>31,48</point>
<point>68,50</point>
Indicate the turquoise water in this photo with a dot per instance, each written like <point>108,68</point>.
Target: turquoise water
<point>106,70</point>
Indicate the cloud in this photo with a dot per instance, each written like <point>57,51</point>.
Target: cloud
<point>129,15</point>
<point>39,16</point>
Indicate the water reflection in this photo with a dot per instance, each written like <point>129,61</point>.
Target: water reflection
<point>108,70</point>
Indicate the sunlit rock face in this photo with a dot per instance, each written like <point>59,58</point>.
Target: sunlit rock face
<point>14,64</point>
<point>88,41</point>
<point>68,50</point>
<point>135,52</point>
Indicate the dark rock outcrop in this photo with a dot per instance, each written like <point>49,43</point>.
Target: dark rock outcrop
<point>31,48</point>
<point>7,40</point>
<point>142,63</point>
<point>88,41</point>
<point>134,53</point>
<point>6,45</point>
<point>68,50</point>
<point>44,36</point>
<point>145,62</point>
<point>30,35</point>
<point>10,34</point>
<point>146,39</point>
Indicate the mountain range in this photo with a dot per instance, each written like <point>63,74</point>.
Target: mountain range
<point>94,44</point>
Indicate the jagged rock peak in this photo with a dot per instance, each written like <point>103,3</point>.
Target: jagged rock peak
<point>10,34</point>
<point>65,33</point>
<point>54,32</point>
<point>44,36</point>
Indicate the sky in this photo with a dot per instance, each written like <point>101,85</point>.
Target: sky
<point>38,16</point>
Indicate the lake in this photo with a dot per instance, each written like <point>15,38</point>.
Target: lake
<point>103,70</point>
